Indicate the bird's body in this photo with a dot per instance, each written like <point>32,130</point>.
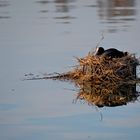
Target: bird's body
<point>111,53</point>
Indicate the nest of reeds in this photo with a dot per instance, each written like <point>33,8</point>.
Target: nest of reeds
<point>104,81</point>
<point>105,70</point>
<point>100,70</point>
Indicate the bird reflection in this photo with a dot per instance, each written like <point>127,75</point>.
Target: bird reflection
<point>107,95</point>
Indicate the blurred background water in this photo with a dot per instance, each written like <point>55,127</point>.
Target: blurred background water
<point>42,36</point>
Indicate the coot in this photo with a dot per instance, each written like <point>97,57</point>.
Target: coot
<point>111,53</point>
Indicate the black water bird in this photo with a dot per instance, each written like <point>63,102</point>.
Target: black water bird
<point>111,53</point>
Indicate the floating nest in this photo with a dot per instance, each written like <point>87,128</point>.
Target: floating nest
<point>104,81</point>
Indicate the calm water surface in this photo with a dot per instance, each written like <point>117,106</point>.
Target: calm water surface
<point>42,36</point>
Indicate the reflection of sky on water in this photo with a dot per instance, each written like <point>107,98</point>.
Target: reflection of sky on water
<point>115,15</point>
<point>118,15</point>
<point>61,8</point>
<point>82,126</point>
<point>33,41</point>
<point>4,9</point>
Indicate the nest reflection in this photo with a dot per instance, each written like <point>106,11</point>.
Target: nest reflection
<point>107,95</point>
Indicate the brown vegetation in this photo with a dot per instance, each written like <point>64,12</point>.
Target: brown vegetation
<point>104,81</point>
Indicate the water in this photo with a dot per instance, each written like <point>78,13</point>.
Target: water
<point>42,36</point>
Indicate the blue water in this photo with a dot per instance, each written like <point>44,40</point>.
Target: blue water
<point>43,36</point>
